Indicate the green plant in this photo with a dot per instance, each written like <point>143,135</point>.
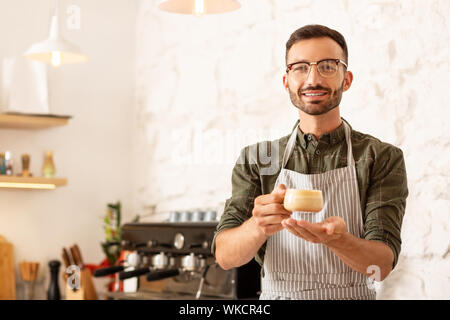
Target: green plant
<point>111,247</point>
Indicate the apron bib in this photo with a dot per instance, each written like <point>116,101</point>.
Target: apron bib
<point>297,269</point>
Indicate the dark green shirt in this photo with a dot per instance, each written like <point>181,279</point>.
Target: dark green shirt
<point>380,169</point>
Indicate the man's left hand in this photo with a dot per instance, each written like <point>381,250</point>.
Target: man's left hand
<point>331,229</point>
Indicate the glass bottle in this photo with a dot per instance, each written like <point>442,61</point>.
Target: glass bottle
<point>48,170</point>
<point>8,163</point>
<point>2,163</point>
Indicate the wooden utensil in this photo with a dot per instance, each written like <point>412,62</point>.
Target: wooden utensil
<point>7,278</point>
<point>29,271</point>
<point>25,165</point>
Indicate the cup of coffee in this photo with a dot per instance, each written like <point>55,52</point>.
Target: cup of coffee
<point>185,216</point>
<point>174,216</point>
<point>303,200</point>
<point>197,216</point>
<point>210,215</point>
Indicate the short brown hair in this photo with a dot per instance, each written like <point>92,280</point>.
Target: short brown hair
<point>317,31</point>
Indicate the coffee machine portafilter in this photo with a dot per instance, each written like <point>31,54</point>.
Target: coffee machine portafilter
<point>176,263</point>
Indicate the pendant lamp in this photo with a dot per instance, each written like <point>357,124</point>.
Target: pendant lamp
<point>199,7</point>
<point>55,50</point>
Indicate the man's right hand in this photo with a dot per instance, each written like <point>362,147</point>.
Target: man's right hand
<point>268,211</point>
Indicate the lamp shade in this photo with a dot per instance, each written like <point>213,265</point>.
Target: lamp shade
<point>55,50</point>
<point>199,7</point>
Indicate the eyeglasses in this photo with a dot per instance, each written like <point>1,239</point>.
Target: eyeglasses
<point>327,68</point>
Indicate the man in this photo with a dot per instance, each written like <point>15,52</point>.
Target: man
<point>330,254</point>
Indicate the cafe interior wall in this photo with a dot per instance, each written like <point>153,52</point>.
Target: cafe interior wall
<point>207,86</point>
<point>92,151</point>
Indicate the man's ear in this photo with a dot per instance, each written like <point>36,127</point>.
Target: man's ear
<point>285,82</point>
<point>348,79</point>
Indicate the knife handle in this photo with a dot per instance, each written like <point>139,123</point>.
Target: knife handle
<point>133,273</point>
<point>74,256</point>
<point>158,275</point>
<point>107,271</point>
<point>78,253</point>
<point>65,258</point>
<point>68,256</point>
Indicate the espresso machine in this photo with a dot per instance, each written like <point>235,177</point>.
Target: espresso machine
<point>173,260</point>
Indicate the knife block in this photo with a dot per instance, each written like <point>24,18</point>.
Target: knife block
<point>86,290</point>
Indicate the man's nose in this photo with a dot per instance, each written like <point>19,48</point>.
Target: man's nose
<point>313,76</point>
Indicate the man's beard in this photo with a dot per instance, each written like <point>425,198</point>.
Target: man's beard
<point>317,107</point>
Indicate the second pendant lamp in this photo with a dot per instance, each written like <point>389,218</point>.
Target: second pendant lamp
<point>199,7</point>
<point>55,50</point>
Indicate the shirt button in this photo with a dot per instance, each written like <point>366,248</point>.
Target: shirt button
<point>309,137</point>
<point>318,152</point>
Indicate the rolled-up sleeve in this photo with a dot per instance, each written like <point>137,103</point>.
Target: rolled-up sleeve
<point>246,186</point>
<point>386,199</point>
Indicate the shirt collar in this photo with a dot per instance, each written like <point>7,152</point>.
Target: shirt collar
<point>331,138</point>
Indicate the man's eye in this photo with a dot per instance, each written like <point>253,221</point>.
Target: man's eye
<point>301,68</point>
<point>327,67</point>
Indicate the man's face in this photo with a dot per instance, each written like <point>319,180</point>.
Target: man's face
<point>299,88</point>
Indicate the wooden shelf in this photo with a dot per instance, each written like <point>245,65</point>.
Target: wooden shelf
<point>14,182</point>
<point>31,121</point>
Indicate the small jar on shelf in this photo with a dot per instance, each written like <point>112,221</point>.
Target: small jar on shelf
<point>48,169</point>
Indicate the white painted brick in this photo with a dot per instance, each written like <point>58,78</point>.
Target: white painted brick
<point>222,74</point>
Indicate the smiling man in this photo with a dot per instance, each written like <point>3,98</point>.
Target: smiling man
<point>330,254</point>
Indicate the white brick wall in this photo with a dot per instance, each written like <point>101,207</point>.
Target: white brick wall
<point>207,78</point>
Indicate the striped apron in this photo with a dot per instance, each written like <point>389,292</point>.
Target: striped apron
<point>298,269</point>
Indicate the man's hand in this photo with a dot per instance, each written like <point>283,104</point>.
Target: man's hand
<point>269,211</point>
<point>325,232</point>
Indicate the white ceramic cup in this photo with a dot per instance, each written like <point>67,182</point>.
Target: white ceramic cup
<point>303,200</point>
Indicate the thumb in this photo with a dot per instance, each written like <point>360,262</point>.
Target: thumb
<point>281,189</point>
<point>330,227</point>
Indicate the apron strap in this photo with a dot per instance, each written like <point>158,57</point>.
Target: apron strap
<point>292,139</point>
<point>289,147</point>
<point>348,139</point>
